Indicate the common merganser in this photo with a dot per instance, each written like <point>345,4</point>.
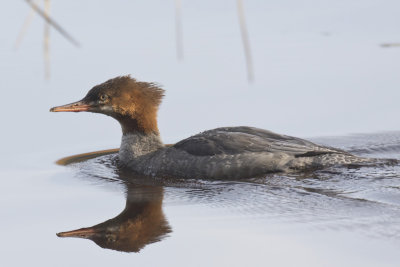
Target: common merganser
<point>222,153</point>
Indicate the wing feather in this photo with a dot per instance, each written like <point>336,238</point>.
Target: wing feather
<point>235,140</point>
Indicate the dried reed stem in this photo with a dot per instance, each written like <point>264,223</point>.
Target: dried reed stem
<point>24,28</point>
<point>52,23</point>
<point>245,39</point>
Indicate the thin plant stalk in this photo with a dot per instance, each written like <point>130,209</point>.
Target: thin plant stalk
<point>24,28</point>
<point>52,23</point>
<point>245,39</point>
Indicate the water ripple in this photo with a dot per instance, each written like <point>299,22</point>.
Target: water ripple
<point>365,199</point>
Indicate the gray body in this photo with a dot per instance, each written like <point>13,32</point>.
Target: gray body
<point>228,153</point>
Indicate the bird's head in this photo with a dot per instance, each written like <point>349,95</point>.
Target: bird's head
<point>134,104</point>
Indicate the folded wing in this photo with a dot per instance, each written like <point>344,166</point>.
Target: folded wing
<point>235,140</point>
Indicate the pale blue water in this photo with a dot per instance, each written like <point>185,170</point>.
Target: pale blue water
<point>333,217</point>
<point>320,70</point>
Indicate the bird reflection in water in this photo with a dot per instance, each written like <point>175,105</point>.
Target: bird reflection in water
<point>142,222</point>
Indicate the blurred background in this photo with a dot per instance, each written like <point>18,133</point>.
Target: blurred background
<point>320,67</point>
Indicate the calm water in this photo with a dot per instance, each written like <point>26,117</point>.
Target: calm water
<point>334,217</point>
<point>320,69</point>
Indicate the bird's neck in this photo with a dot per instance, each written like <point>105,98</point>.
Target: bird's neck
<point>136,144</point>
<point>132,123</point>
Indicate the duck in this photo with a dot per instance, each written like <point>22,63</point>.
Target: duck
<point>221,153</point>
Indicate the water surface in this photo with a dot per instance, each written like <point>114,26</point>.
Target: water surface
<point>319,69</point>
<point>333,217</point>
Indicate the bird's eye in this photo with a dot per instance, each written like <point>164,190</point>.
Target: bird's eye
<point>103,97</point>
